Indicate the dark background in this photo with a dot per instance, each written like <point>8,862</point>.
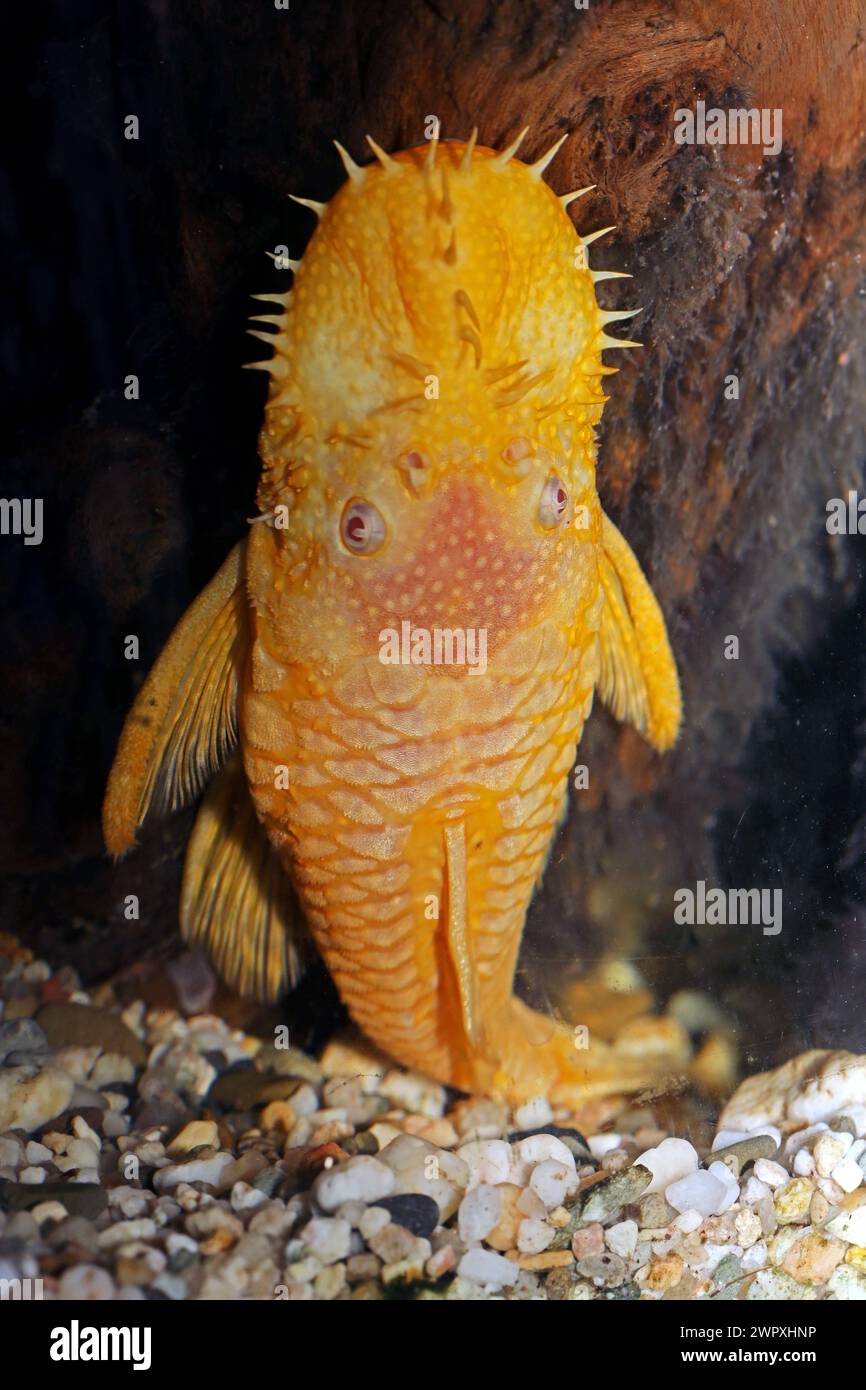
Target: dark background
<point>137,257</point>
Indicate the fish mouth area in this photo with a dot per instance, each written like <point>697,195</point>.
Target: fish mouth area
<point>460,571</point>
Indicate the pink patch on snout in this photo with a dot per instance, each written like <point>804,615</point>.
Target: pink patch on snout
<point>464,569</point>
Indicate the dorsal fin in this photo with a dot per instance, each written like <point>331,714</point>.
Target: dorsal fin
<point>638,679</point>
<point>184,720</point>
<point>236,900</point>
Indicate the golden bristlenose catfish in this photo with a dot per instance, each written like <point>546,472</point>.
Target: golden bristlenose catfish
<point>428,487</point>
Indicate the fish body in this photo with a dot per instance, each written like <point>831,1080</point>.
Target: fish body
<point>428,489</point>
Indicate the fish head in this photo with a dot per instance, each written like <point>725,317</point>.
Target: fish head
<point>430,429</point>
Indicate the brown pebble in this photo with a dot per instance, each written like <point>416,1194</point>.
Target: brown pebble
<point>361,1143</point>
<point>844,1124</point>
<point>79,1198</point>
<point>654,1212</point>
<point>363,1266</point>
<point>221,1240</point>
<point>558,1283</point>
<point>745,1150</point>
<point>664,1272</point>
<point>548,1259</point>
<point>589,1241</point>
<point>279,1114</point>
<point>441,1262</point>
<point>244,1088</point>
<point>81,1025</point>
<point>332,1131</point>
<point>812,1259</point>
<point>440,1132</point>
<point>819,1209</point>
<point>303,1165</point>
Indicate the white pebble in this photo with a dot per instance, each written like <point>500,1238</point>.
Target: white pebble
<point>488,1160</point>
<point>533,1114</point>
<point>122,1232</point>
<point>374,1220</point>
<point>351,1212</point>
<point>622,1238</point>
<point>328,1238</point>
<point>773,1174</point>
<point>246,1198</point>
<point>530,1204</point>
<point>486,1267</point>
<point>730,1184</point>
<point>701,1191</point>
<point>534,1236</point>
<point>829,1150</point>
<point>848,1174</point>
<point>207,1170</point>
<point>551,1180</point>
<point>82,1130</point>
<point>86,1282</point>
<point>601,1144</point>
<point>361,1179</point>
<point>749,1228</point>
<point>857,1148</point>
<point>793,1142</point>
<point>729,1136</point>
<point>132,1201</point>
<point>80,1153</point>
<point>849,1225</point>
<point>804,1163</point>
<point>32,1175</point>
<point>537,1149</point>
<point>672,1160</point>
<point>176,1243</point>
<point>48,1211</point>
<point>304,1100</point>
<point>714,1254</point>
<point>412,1091</point>
<point>688,1220</point>
<point>755,1257</point>
<point>478,1212</point>
<point>754,1191</point>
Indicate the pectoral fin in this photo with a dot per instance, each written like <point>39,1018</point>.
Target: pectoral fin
<point>236,900</point>
<point>184,719</point>
<point>638,679</point>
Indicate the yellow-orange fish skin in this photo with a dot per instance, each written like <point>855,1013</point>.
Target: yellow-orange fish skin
<point>463,278</point>
<point>439,359</point>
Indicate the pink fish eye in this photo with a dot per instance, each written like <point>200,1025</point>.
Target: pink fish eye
<point>362,527</point>
<point>553,503</point>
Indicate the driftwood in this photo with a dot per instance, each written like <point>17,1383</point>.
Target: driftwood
<point>745,265</point>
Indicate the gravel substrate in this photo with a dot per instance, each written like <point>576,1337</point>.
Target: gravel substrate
<point>148,1155</point>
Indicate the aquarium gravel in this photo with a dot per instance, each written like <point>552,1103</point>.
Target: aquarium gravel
<point>146,1155</point>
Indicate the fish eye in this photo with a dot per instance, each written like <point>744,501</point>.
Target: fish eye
<point>362,527</point>
<point>553,503</point>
